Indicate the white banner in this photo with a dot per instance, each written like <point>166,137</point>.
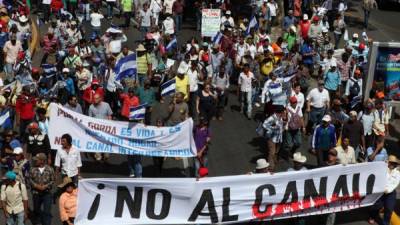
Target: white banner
<point>108,136</point>
<point>210,22</point>
<point>229,199</point>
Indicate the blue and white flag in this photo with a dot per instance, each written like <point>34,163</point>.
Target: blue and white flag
<point>49,70</point>
<point>252,24</point>
<point>172,44</point>
<point>138,112</point>
<point>355,101</point>
<point>125,67</point>
<point>168,87</point>
<point>217,38</point>
<point>5,120</point>
<point>39,21</point>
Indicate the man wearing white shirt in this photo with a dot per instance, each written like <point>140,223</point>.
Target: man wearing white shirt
<point>388,199</point>
<point>244,89</point>
<point>194,77</point>
<point>298,94</point>
<point>346,154</point>
<point>95,21</point>
<point>227,19</point>
<point>68,159</point>
<point>168,6</point>
<point>168,25</point>
<point>145,19</point>
<point>155,8</point>
<point>317,104</point>
<point>329,60</point>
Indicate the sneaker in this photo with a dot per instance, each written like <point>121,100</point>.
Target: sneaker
<point>131,175</point>
<point>257,104</point>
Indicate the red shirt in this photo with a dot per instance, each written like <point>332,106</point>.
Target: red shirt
<point>128,103</point>
<point>89,93</point>
<point>304,27</point>
<point>25,107</point>
<point>56,5</point>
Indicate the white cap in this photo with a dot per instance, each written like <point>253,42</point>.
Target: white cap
<point>305,17</point>
<point>65,70</point>
<point>293,28</point>
<point>18,150</point>
<point>228,12</point>
<point>326,118</point>
<point>298,157</point>
<point>355,35</point>
<point>262,164</point>
<point>113,30</point>
<point>181,70</point>
<point>23,19</point>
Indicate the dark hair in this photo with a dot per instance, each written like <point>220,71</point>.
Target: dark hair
<point>41,111</point>
<point>67,137</point>
<point>70,97</point>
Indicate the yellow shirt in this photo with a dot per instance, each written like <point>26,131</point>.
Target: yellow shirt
<point>267,68</point>
<point>181,86</point>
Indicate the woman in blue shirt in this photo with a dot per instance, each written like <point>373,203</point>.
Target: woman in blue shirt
<point>332,80</point>
<point>377,152</point>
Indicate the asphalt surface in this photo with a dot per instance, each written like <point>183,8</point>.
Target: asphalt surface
<point>235,146</point>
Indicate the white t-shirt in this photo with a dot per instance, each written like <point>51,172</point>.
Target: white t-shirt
<point>155,6</point>
<point>168,25</point>
<point>96,19</point>
<point>299,97</point>
<point>146,18</point>
<point>193,80</point>
<point>273,7</point>
<point>245,82</point>
<point>318,99</point>
<point>168,6</point>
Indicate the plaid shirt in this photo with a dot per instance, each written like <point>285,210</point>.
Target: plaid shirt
<point>45,178</point>
<point>273,126</point>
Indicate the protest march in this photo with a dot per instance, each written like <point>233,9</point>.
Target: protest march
<point>199,112</point>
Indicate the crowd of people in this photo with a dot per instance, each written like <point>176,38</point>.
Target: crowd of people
<point>273,65</point>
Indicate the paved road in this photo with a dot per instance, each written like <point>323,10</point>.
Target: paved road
<point>235,147</point>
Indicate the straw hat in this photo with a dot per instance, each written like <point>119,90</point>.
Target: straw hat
<point>140,48</point>
<point>298,157</point>
<point>65,182</point>
<point>262,164</point>
<point>393,159</point>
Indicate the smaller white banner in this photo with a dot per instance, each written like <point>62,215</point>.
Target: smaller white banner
<point>109,136</point>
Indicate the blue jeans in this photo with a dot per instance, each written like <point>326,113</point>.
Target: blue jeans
<point>8,69</point>
<point>42,216</point>
<point>245,102</point>
<point>96,31</point>
<point>86,11</point>
<point>16,219</point>
<point>143,31</point>
<point>110,8</point>
<point>135,165</point>
<point>178,22</point>
<point>292,140</point>
<point>366,18</point>
<point>316,115</point>
<point>388,202</point>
